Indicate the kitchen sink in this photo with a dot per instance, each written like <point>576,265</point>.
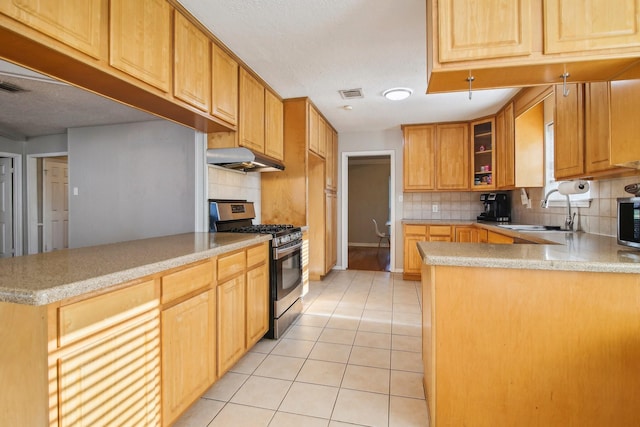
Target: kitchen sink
<point>526,227</point>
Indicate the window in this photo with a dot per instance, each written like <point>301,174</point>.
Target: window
<point>555,199</point>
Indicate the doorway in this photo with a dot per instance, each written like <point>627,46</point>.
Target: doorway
<point>10,205</point>
<point>368,194</point>
<point>48,203</point>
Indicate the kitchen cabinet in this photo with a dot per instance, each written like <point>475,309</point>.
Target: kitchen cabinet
<point>78,24</point>
<point>530,147</point>
<point>436,157</point>
<point>625,126</point>
<point>257,294</point>
<point>273,126</point>
<point>297,195</point>
<point>505,148</point>
<point>528,42</point>
<point>314,130</point>
<point>188,337</point>
<point>470,234</point>
<point>192,64</point>
<point>569,132</point>
<point>412,234</point>
<point>140,40</point>
<point>597,134</point>
<point>322,137</point>
<point>484,154</point>
<point>332,160</point>
<point>418,154</point>
<point>493,237</point>
<point>331,215</point>
<point>251,127</point>
<point>224,86</point>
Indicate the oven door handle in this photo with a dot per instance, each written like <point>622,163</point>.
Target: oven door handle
<point>281,253</point>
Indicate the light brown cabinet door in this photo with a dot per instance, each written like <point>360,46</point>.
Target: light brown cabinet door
<point>332,160</point>
<point>330,231</point>
<point>274,126</point>
<point>192,62</point>
<point>188,353</point>
<point>224,86</point>
<point>505,148</point>
<point>452,160</point>
<point>113,380</point>
<point>483,153</point>
<point>251,127</point>
<point>575,26</point>
<point>625,126</point>
<point>77,23</point>
<point>597,135</point>
<point>231,322</point>
<point>480,29</point>
<point>314,123</point>
<point>419,148</point>
<point>257,303</point>
<point>322,137</point>
<point>569,132</point>
<point>412,258</point>
<point>140,40</point>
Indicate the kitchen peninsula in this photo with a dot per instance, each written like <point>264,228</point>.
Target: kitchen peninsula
<point>532,334</point>
<point>128,333</point>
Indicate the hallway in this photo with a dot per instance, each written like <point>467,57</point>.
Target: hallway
<point>352,359</point>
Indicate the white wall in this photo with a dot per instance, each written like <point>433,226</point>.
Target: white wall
<point>134,181</point>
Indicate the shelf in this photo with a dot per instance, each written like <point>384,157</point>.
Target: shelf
<point>483,173</point>
<point>482,134</point>
<point>483,152</point>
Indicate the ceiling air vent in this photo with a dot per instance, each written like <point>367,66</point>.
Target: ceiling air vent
<point>351,93</point>
<point>10,87</point>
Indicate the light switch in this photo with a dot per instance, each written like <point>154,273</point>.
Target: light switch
<point>75,191</point>
<point>434,207</point>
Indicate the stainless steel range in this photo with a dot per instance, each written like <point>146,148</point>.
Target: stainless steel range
<point>285,260</point>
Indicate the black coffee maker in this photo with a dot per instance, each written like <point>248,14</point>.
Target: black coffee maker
<point>496,207</point>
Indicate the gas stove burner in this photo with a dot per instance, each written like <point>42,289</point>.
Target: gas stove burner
<point>262,228</point>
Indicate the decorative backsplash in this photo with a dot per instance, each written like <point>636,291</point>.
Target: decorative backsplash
<point>451,205</point>
<point>226,184</point>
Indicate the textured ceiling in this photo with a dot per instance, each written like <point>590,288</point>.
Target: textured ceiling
<point>315,48</point>
<point>48,107</point>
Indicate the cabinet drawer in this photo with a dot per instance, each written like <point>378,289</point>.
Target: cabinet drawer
<point>415,229</point>
<point>182,282</point>
<point>439,230</point>
<point>229,265</point>
<point>84,318</point>
<point>257,255</point>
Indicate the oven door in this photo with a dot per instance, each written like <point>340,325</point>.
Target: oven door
<point>286,276</point>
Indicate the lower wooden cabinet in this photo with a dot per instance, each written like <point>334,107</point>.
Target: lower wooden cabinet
<point>188,353</point>
<point>257,303</point>
<point>412,259</point>
<point>470,234</point>
<point>231,326</point>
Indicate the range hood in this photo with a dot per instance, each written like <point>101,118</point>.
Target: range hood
<point>242,159</point>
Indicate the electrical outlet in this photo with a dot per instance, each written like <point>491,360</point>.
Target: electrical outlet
<point>435,207</point>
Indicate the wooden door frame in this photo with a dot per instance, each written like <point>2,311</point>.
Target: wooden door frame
<point>343,208</point>
<point>17,201</point>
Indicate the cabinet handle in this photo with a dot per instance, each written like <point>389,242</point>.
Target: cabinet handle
<point>565,88</point>
<point>470,79</point>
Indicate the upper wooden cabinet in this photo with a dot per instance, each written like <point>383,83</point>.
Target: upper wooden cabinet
<point>569,132</point>
<point>273,126</point>
<point>505,148</point>
<point>528,42</point>
<point>625,126</point>
<point>582,26</point>
<point>483,154</point>
<point>192,64</point>
<point>436,157</point>
<point>597,134</point>
<point>77,23</point>
<point>224,86</point>
<point>477,29</point>
<point>314,133</point>
<point>418,154</point>
<point>331,174</point>
<point>140,40</point>
<point>251,112</point>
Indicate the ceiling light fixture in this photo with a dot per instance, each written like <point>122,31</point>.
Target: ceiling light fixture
<point>397,93</point>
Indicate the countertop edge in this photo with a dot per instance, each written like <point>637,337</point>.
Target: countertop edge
<point>102,282</point>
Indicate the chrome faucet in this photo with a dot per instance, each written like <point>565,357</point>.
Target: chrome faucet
<point>570,218</point>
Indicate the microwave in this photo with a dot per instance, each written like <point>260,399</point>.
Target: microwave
<point>629,221</point>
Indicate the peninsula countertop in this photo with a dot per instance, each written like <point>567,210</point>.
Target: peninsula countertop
<point>552,250</point>
<point>53,276</point>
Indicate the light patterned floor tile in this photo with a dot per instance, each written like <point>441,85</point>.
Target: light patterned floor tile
<point>312,320</point>
<point>331,352</point>
<point>405,412</point>
<point>373,339</point>
<point>293,348</point>
<point>373,357</point>
<point>265,345</point>
<point>406,361</point>
<point>360,407</point>
<point>262,392</point>
<point>284,419</point>
<point>233,415</point>
<point>226,387</point>
<point>310,399</point>
<point>248,363</point>
<point>321,372</point>
<point>338,336</point>
<point>407,384</point>
<point>280,367</point>
<point>406,343</point>
<point>364,378</point>
<point>301,332</point>
<point>200,414</point>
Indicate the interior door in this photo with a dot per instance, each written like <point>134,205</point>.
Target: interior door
<point>55,204</point>
<point>7,247</point>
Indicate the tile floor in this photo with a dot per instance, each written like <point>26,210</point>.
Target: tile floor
<point>353,358</point>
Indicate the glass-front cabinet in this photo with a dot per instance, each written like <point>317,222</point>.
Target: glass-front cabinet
<point>483,154</point>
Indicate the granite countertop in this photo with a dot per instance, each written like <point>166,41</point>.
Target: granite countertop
<point>49,277</point>
<point>552,250</point>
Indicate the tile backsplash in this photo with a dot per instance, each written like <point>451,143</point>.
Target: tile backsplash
<point>450,205</point>
<point>227,184</point>
<point>598,218</point>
